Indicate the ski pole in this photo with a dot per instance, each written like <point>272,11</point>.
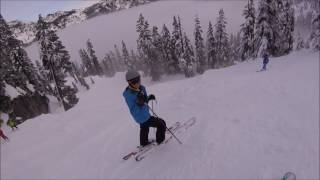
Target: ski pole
<point>166,126</point>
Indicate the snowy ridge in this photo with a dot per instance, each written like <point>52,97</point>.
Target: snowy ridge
<point>249,126</point>
<point>62,19</point>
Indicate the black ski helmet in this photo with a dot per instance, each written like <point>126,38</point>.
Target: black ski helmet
<point>131,74</point>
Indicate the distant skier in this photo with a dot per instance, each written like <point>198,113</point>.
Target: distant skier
<point>12,121</point>
<point>1,132</point>
<point>265,61</point>
<point>136,98</point>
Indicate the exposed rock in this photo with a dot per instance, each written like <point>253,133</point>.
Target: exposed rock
<point>26,107</point>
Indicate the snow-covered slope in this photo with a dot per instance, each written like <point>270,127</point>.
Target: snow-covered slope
<point>249,126</point>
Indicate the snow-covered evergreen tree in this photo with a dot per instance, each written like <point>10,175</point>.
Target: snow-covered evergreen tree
<point>119,59</point>
<point>211,47</point>
<point>88,68</point>
<point>188,62</point>
<point>155,55</point>
<point>222,41</point>
<point>93,58</point>
<point>108,66</point>
<point>234,44</point>
<point>300,44</point>
<point>125,56</point>
<point>114,64</point>
<point>140,29</point>
<point>199,45</point>
<point>144,43</point>
<point>177,38</point>
<point>55,61</point>
<point>134,59</point>
<point>171,61</point>
<point>174,47</point>
<point>79,76</point>
<point>247,31</point>
<point>287,19</point>
<point>315,34</point>
<point>165,46</point>
<point>5,65</point>
<point>264,38</point>
<point>17,69</point>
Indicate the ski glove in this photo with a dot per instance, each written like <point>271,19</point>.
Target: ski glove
<point>141,99</point>
<point>151,97</point>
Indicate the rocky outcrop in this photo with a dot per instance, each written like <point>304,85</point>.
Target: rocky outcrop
<point>27,107</point>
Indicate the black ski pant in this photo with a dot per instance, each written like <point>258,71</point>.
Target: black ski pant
<point>158,123</point>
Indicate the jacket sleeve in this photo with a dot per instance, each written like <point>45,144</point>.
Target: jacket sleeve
<point>145,92</point>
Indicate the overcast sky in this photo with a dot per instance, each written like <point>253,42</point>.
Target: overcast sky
<point>28,10</point>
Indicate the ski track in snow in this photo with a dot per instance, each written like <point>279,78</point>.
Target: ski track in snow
<point>249,125</point>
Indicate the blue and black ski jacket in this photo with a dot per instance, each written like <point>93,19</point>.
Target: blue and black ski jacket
<point>140,114</point>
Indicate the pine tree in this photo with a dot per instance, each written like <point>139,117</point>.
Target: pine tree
<point>247,31</point>
<point>114,65</point>
<point>79,76</point>
<point>88,68</point>
<point>144,47</point>
<point>140,31</point>
<point>5,65</point>
<point>222,41</point>
<point>267,29</point>
<point>177,36</point>
<point>134,59</point>
<point>55,61</point>
<point>211,47</point>
<point>143,44</point>
<point>180,34</point>
<point>278,26</point>
<point>315,34</point>
<point>107,67</point>
<point>111,66</point>
<point>175,48</point>
<point>300,42</point>
<point>155,55</point>
<point>234,44</point>
<point>93,58</point>
<point>288,22</point>
<point>44,77</point>
<point>165,46</point>
<point>126,57</point>
<point>188,62</point>
<point>200,54</point>
<point>18,70</point>
<point>119,60</point>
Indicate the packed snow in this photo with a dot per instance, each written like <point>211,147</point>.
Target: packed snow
<point>250,125</point>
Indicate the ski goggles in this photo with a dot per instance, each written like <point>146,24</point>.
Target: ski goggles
<point>135,80</point>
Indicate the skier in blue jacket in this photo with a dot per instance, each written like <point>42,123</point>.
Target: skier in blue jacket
<point>136,98</point>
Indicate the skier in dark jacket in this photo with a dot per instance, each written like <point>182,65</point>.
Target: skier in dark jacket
<point>136,98</point>
<point>265,62</point>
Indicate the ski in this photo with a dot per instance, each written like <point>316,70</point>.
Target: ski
<point>140,150</point>
<point>181,128</point>
<point>174,128</point>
